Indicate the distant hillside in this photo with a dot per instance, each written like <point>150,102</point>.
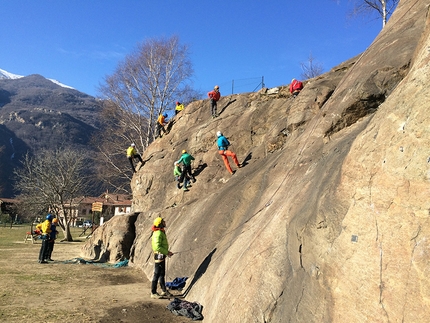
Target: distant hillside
<point>37,113</point>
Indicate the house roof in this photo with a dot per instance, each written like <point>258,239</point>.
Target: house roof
<point>7,200</point>
<point>107,199</point>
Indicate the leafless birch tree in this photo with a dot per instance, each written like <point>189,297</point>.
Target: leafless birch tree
<point>147,83</point>
<point>50,181</point>
<point>383,8</point>
<point>311,68</point>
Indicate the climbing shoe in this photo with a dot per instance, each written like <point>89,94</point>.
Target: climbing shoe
<point>166,293</point>
<point>186,189</point>
<point>156,296</point>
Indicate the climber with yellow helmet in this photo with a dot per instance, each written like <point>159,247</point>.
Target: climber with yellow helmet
<point>214,96</point>
<point>186,160</point>
<point>160,247</point>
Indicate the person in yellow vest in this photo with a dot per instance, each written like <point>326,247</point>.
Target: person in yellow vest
<point>179,107</point>
<point>45,229</point>
<point>131,154</point>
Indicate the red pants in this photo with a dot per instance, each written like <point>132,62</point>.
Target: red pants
<point>224,154</point>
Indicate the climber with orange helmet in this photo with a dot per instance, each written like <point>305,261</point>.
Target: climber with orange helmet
<point>223,144</point>
<point>179,107</point>
<point>45,228</point>
<point>160,247</point>
<point>214,96</point>
<point>186,160</point>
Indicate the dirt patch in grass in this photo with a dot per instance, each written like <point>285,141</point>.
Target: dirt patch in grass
<point>65,291</point>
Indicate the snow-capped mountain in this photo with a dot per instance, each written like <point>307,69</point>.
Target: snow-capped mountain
<point>9,76</point>
<point>6,75</point>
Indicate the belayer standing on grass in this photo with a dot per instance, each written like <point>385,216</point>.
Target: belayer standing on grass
<point>214,95</point>
<point>179,107</point>
<point>295,87</point>
<point>45,229</point>
<point>160,247</point>
<point>131,154</point>
<point>52,238</point>
<point>161,122</point>
<point>186,160</point>
<point>223,144</point>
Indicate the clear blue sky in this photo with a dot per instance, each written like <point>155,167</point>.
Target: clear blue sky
<point>79,42</point>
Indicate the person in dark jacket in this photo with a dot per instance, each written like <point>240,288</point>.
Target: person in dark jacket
<point>160,247</point>
<point>52,238</point>
<point>45,229</point>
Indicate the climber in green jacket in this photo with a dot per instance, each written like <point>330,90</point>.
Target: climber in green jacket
<point>160,247</point>
<point>186,160</point>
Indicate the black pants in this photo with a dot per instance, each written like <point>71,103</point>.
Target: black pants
<point>160,128</point>
<point>43,253</point>
<point>186,172</point>
<point>131,161</point>
<point>213,107</point>
<point>159,276</point>
<point>50,248</point>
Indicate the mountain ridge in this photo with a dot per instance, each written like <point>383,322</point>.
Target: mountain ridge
<point>37,113</point>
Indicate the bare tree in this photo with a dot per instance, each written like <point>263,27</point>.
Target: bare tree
<point>147,82</point>
<point>311,68</point>
<point>383,8</point>
<point>50,181</point>
<point>112,140</point>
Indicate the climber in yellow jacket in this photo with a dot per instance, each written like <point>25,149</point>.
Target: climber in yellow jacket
<point>131,154</point>
<point>179,107</point>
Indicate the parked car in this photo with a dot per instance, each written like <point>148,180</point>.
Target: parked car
<point>87,224</point>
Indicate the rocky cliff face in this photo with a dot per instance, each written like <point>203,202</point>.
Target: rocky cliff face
<point>329,219</point>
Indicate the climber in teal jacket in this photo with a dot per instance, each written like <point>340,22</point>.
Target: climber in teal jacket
<point>186,160</point>
<point>223,150</point>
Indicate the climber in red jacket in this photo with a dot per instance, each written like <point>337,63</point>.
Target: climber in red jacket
<point>214,95</point>
<point>295,87</point>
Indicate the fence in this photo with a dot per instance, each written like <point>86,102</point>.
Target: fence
<point>244,85</point>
